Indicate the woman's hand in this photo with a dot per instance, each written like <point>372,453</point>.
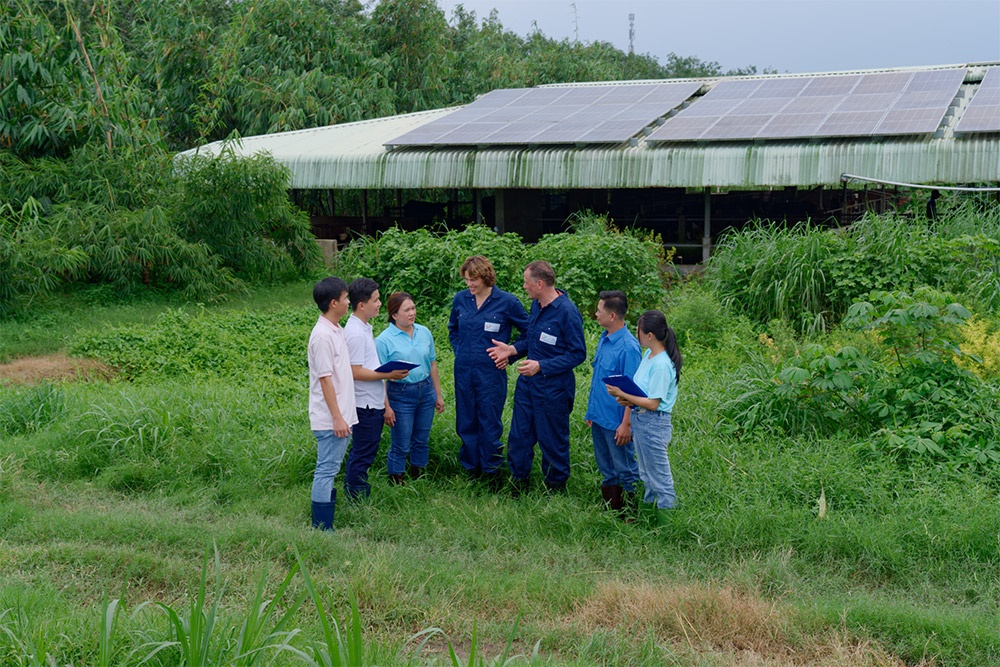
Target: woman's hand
<point>390,416</point>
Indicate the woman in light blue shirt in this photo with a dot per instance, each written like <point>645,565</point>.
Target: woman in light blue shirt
<point>657,376</point>
<point>415,398</point>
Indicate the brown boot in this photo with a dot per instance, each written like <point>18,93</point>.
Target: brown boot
<point>397,480</point>
<point>613,498</point>
<point>416,472</point>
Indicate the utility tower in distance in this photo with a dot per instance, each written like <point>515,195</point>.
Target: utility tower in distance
<point>631,34</point>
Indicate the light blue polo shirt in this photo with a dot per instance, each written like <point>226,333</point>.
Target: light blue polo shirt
<point>394,344</point>
<point>656,376</point>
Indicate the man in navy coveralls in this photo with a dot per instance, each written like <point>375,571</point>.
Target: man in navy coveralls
<point>543,398</point>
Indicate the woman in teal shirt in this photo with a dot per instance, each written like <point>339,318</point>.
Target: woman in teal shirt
<point>415,398</point>
<point>657,376</point>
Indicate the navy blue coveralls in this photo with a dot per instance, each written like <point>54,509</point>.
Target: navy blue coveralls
<point>481,387</point>
<point>543,402</point>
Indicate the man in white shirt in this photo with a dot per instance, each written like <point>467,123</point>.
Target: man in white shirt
<point>332,410</point>
<point>369,386</point>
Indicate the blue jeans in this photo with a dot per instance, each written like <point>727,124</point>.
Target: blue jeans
<point>616,462</point>
<point>329,455</point>
<point>413,403</point>
<point>651,432</point>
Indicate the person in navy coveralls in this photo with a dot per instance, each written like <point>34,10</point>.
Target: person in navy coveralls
<point>479,315</point>
<point>546,387</point>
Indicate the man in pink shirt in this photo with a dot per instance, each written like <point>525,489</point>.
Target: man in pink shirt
<point>332,410</point>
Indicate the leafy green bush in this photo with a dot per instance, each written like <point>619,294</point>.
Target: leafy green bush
<point>700,320</point>
<point>426,264</point>
<point>241,347</point>
<point>134,250</point>
<point>239,208</point>
<point>594,257</point>
<point>33,261</point>
<point>909,397</point>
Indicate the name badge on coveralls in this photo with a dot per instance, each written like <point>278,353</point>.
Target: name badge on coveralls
<point>492,327</point>
<point>548,338</point>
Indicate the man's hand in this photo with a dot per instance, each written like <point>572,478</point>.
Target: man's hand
<point>623,434</point>
<point>528,367</point>
<point>500,353</point>
<point>340,427</point>
<point>390,417</point>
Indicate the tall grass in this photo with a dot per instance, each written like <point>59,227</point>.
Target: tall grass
<point>809,275</point>
<point>204,441</point>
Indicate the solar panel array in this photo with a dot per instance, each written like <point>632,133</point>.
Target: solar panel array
<point>983,112</point>
<point>557,115</point>
<point>851,105</point>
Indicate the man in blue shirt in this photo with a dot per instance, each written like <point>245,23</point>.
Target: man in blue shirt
<point>618,353</point>
<point>546,387</point>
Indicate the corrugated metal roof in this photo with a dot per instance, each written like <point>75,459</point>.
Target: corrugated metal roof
<point>353,155</point>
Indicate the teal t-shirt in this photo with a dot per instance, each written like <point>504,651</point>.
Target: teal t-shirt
<point>656,376</point>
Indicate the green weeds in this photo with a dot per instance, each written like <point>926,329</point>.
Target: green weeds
<point>803,528</point>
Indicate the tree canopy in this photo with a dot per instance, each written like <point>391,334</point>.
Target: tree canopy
<point>96,94</point>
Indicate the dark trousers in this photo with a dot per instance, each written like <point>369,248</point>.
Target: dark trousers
<point>543,420</point>
<point>366,435</point>
<point>479,398</point>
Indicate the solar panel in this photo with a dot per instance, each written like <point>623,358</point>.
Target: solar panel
<point>877,104</point>
<point>792,126</point>
<point>983,112</point>
<point>609,113</point>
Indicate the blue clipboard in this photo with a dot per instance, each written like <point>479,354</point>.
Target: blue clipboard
<point>626,384</point>
<point>391,366</point>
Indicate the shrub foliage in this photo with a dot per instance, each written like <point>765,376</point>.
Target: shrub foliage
<point>905,393</point>
<point>595,256</point>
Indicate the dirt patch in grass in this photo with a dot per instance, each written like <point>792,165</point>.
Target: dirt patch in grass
<point>736,627</point>
<point>52,368</point>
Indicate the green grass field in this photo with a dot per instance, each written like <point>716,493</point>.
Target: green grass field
<point>150,519</point>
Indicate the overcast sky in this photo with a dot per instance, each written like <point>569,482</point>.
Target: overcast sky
<point>787,35</point>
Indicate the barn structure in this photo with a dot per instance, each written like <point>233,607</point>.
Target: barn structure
<point>687,158</point>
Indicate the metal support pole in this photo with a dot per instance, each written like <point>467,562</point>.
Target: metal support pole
<point>706,239</point>
<point>364,212</point>
<point>498,211</point>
